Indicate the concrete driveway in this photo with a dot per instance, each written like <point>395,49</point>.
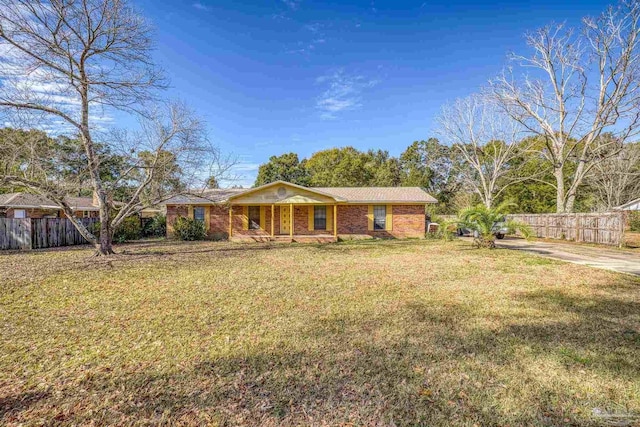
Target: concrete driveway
<point>623,261</point>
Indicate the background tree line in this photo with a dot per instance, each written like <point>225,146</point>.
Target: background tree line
<point>444,171</point>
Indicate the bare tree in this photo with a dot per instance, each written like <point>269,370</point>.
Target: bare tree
<point>164,158</point>
<point>487,141</point>
<point>616,180</point>
<point>580,84</point>
<point>67,61</point>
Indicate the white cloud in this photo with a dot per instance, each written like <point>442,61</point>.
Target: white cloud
<point>243,173</point>
<point>292,4</point>
<point>314,27</point>
<point>24,83</point>
<point>201,6</point>
<point>343,93</point>
<point>306,46</point>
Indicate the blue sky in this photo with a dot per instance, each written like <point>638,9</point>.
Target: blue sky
<point>297,75</point>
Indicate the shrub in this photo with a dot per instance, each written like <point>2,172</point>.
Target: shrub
<point>129,229</point>
<point>189,229</point>
<point>481,220</point>
<point>634,221</point>
<point>156,226</point>
<point>446,229</point>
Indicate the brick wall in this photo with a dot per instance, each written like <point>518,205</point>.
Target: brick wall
<point>173,212</point>
<point>34,213</point>
<point>301,224</point>
<point>352,219</point>
<point>408,221</point>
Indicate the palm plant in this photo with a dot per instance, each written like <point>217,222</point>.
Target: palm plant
<point>482,220</point>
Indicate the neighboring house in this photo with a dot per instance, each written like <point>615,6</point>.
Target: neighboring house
<point>633,205</point>
<point>293,212</point>
<point>27,205</point>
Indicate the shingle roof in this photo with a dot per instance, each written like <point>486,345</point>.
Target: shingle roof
<point>343,194</point>
<point>379,194</point>
<point>25,200</point>
<point>81,203</point>
<point>28,200</point>
<point>212,195</point>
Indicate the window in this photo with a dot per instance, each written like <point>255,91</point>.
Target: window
<point>319,217</point>
<point>19,213</point>
<point>198,213</point>
<point>379,217</point>
<point>86,214</point>
<point>254,217</point>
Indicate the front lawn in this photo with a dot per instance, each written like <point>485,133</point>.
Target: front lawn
<point>366,333</point>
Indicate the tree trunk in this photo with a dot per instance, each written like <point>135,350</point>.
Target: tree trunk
<point>104,246</point>
<point>488,201</point>
<point>571,200</point>
<point>558,172</point>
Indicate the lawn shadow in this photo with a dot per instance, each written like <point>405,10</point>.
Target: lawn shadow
<point>362,371</point>
<point>14,404</point>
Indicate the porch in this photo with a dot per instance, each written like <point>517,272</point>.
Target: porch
<point>278,222</point>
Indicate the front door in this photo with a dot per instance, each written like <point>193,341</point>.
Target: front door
<point>285,220</point>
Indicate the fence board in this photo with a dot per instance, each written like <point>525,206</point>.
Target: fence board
<point>40,233</point>
<point>15,233</point>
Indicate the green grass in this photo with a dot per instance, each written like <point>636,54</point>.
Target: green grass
<point>362,333</point>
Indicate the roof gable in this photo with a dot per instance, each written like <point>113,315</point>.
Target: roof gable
<point>281,192</point>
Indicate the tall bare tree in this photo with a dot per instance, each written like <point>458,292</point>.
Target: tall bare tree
<point>577,86</point>
<point>66,62</point>
<point>616,180</point>
<point>486,140</point>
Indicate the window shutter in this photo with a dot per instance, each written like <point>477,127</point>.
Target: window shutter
<point>311,210</point>
<point>388,221</point>
<point>207,217</point>
<point>245,217</point>
<point>190,211</point>
<point>263,222</point>
<point>370,218</point>
<point>329,218</point>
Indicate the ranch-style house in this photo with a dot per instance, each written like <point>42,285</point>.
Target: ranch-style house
<point>285,211</point>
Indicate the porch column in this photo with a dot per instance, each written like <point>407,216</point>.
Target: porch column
<point>291,220</point>
<point>230,221</point>
<point>273,219</point>
<point>335,221</point>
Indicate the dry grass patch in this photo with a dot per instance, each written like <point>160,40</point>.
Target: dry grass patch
<point>397,332</point>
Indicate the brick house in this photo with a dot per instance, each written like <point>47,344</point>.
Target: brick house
<point>290,212</point>
<point>27,205</point>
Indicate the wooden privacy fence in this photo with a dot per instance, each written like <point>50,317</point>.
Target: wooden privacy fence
<point>604,228</point>
<point>40,233</point>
